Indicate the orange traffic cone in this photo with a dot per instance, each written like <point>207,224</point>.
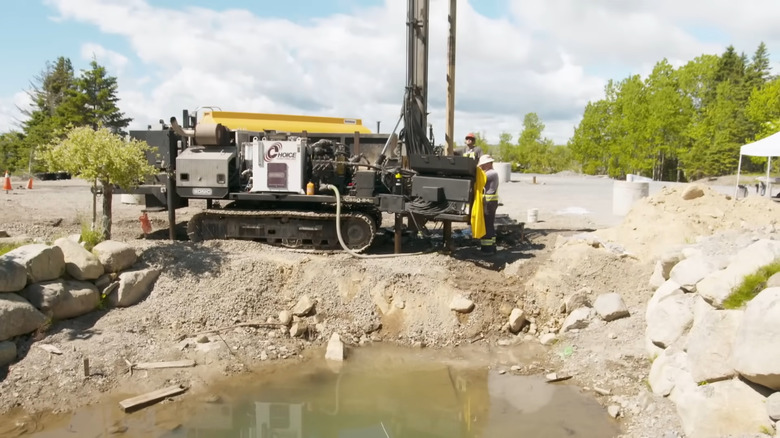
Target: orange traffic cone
<point>29,184</point>
<point>7,182</point>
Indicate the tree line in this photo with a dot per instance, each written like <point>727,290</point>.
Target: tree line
<point>677,124</point>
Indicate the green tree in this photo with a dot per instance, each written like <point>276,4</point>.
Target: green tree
<point>589,144</point>
<point>533,151</point>
<point>102,157</point>
<point>669,113</point>
<point>764,108</point>
<point>758,72</point>
<point>45,118</point>
<point>13,154</point>
<point>95,99</point>
<point>506,150</point>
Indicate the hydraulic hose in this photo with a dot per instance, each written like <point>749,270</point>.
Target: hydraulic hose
<point>341,239</point>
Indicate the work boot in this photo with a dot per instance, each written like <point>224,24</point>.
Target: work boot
<point>489,249</point>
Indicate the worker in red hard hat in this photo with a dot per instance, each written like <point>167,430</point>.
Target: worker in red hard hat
<point>471,150</point>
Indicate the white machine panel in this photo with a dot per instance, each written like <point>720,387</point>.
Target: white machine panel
<point>277,166</point>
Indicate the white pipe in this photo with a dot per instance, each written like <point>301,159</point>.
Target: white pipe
<point>768,182</point>
<point>341,239</point>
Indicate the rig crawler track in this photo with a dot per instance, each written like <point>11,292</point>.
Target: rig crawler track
<point>292,229</point>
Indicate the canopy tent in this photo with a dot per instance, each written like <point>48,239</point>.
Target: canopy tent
<point>766,147</point>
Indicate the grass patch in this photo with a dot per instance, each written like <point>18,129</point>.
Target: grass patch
<point>89,236</point>
<point>751,286</point>
<point>8,247</point>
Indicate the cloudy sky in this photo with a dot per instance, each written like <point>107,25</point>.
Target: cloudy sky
<point>346,58</point>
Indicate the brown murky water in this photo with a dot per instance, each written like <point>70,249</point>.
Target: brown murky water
<point>377,393</point>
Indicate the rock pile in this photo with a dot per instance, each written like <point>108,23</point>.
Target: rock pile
<point>720,367</point>
<point>40,283</point>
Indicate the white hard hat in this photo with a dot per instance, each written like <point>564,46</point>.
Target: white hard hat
<point>484,160</point>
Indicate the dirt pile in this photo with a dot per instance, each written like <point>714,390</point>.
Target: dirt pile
<point>667,220</point>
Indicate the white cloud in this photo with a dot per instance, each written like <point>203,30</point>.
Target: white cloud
<point>10,117</point>
<point>113,61</point>
<point>548,56</point>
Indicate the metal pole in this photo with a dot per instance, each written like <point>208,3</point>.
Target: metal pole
<point>377,126</point>
<point>399,223</point>
<point>448,138</point>
<point>170,187</point>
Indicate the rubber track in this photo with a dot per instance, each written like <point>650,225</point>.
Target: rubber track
<point>194,229</point>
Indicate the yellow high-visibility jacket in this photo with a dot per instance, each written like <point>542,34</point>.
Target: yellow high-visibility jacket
<point>477,208</point>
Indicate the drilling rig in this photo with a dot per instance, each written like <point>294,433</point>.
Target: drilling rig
<point>313,182</point>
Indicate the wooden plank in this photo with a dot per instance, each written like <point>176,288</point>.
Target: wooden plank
<point>149,398</point>
<point>158,365</point>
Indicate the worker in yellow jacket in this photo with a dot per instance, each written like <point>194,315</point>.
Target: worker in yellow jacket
<point>490,203</point>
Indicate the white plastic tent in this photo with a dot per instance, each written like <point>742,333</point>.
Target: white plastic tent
<point>766,147</point>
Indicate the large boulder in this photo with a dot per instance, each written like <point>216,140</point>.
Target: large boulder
<point>717,286</point>
<point>669,319</point>
<point>756,354</point>
<point>42,262</point>
<point>669,370</point>
<point>115,256</point>
<point>691,271</point>
<point>668,288</point>
<point>133,286</point>
<point>13,275</point>
<point>18,316</point>
<point>79,263</point>
<point>710,344</point>
<point>7,353</point>
<point>720,409</point>
<point>63,299</point>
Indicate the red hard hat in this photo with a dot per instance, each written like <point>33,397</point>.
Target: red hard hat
<point>470,135</point>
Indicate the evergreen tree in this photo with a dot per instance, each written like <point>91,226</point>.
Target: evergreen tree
<point>95,99</point>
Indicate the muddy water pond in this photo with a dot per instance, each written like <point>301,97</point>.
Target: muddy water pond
<point>376,393</point>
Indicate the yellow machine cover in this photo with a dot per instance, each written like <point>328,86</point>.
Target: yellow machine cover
<point>284,123</point>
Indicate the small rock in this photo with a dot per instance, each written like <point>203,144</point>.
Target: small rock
<point>612,336</point>
<point>528,338</point>
<point>611,307</point>
<point>285,317</point>
<point>461,304</point>
<point>335,349</point>
<point>400,304</point>
<point>502,372</point>
<point>299,329</point>
<point>551,376</point>
<point>203,340</point>
<point>547,339</point>
<point>116,430</point>
<point>263,355</point>
<point>304,306</point>
<point>516,320</point>
<point>693,191</point>
<point>505,309</point>
<point>773,406</point>
<point>613,411</point>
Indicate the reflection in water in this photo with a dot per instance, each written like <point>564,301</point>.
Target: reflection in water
<point>370,396</point>
<point>430,400</point>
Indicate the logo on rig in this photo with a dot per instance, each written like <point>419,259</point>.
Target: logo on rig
<point>275,152</point>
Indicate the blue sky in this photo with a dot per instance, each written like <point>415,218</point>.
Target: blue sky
<point>345,57</point>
